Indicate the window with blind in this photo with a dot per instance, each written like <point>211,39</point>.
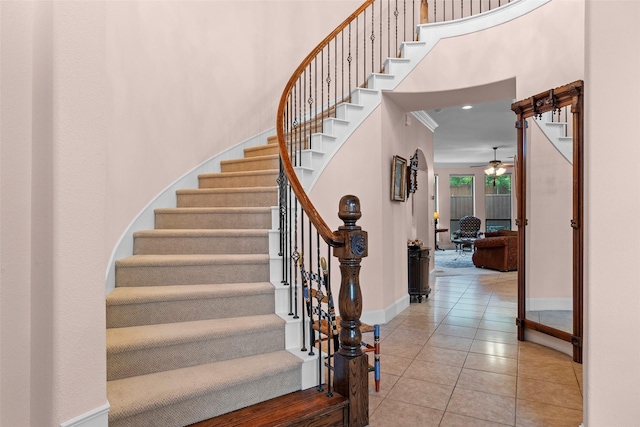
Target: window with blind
<point>497,199</point>
<point>461,195</point>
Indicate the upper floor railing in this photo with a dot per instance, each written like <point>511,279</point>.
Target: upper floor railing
<point>449,10</point>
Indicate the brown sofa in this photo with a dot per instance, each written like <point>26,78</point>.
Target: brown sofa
<point>497,251</point>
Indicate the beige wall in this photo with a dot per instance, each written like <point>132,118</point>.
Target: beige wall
<point>16,74</point>
<point>189,79</point>
<point>54,92</point>
<point>612,361</point>
<point>103,105</point>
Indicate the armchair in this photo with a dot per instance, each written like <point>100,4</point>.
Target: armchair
<point>497,251</point>
<point>468,233</point>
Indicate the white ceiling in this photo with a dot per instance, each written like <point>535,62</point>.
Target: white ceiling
<point>467,137</point>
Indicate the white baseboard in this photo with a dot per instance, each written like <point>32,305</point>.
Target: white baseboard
<point>98,417</point>
<point>542,304</point>
<point>549,341</point>
<point>380,317</point>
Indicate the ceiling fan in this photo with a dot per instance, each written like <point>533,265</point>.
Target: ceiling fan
<point>495,167</point>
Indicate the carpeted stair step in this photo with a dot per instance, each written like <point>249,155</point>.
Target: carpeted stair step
<point>251,163</point>
<point>214,218</point>
<point>148,305</point>
<point>261,178</point>
<point>261,150</point>
<point>178,241</point>
<point>141,350</point>
<point>291,144</point>
<point>157,270</point>
<point>188,395</point>
<point>227,197</point>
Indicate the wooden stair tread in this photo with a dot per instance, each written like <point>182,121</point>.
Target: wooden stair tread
<point>302,408</point>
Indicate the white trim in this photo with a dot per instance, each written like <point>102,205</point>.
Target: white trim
<point>541,304</point>
<point>481,21</point>
<point>380,317</point>
<point>426,120</point>
<point>98,417</point>
<point>548,341</point>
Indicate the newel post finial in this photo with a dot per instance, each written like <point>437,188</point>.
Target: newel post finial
<point>351,363</point>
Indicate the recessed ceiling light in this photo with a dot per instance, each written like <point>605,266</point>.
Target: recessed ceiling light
<point>467,107</point>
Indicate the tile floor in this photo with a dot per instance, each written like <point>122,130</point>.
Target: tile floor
<point>454,360</point>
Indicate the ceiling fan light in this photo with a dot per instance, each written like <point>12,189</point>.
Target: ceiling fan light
<point>500,171</point>
<point>490,171</point>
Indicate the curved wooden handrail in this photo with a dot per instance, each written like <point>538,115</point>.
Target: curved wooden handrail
<point>321,226</point>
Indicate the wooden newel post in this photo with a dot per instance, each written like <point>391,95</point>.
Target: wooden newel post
<point>351,363</point>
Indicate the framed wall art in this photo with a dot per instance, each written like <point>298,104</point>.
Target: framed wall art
<point>398,179</point>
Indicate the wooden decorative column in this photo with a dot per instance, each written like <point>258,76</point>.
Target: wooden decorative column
<point>351,363</point>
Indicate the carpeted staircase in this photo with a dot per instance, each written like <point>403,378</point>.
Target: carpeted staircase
<point>192,326</point>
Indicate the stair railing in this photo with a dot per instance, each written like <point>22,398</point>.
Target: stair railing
<point>313,104</point>
<point>312,101</point>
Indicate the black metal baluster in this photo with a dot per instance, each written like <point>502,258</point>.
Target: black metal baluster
<point>335,73</point>
<point>313,109</point>
<point>294,220</point>
<point>309,272</point>
<point>356,58</point>
<point>320,106</point>
<point>349,58</point>
<point>389,28</point>
<point>345,92</point>
<point>328,81</point>
<point>309,288</point>
<point>373,38</point>
<point>364,47</point>
<point>404,20</point>
<point>305,285</point>
<point>294,262</point>
<point>396,13</point>
<point>319,295</point>
<point>381,37</point>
